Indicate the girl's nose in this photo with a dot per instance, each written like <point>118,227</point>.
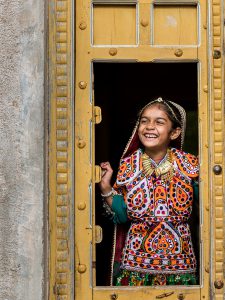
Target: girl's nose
<point>150,125</point>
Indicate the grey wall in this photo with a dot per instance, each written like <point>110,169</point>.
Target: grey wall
<point>21,149</point>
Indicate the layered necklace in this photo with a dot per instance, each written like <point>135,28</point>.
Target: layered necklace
<point>164,169</point>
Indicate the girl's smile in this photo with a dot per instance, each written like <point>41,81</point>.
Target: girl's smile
<point>155,130</point>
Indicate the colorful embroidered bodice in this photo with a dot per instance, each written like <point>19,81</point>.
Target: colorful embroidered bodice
<point>159,238</point>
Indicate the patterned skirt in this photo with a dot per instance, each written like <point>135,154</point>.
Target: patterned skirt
<point>131,278</point>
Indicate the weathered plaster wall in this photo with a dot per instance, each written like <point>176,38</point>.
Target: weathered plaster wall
<point>21,149</point>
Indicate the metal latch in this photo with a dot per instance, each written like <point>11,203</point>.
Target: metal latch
<point>97,114</point>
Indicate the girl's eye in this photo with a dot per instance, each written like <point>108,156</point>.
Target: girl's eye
<point>160,122</point>
<point>143,121</point>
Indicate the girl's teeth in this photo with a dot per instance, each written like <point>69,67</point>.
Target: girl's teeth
<point>150,135</point>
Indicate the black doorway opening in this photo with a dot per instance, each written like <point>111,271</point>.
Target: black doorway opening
<point>121,89</point>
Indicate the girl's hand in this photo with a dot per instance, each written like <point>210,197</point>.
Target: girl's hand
<point>105,183</point>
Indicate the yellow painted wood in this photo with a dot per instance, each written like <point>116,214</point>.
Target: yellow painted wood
<point>217,122</point>
<point>175,25</point>
<point>83,158</point>
<point>147,293</point>
<point>204,145</point>
<point>144,23</point>
<point>143,53</point>
<point>114,25</point>
<point>60,151</point>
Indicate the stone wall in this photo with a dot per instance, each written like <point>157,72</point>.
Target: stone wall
<point>21,149</point>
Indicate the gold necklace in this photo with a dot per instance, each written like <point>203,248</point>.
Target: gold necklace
<point>165,169</point>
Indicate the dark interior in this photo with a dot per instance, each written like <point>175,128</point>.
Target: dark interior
<point>121,90</point>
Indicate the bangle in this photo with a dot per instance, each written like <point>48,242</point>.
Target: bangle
<point>108,194</point>
<point>108,210</point>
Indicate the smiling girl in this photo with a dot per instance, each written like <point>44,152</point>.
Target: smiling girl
<point>153,194</point>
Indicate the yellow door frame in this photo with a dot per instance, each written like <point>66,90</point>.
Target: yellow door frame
<point>71,137</point>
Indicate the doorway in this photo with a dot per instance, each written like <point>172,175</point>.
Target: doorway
<point>121,89</point>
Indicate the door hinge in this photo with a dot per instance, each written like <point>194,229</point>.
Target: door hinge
<point>98,234</point>
<point>97,114</point>
<point>98,174</point>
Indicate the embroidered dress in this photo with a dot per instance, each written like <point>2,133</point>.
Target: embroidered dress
<point>159,239</point>
<point>138,279</point>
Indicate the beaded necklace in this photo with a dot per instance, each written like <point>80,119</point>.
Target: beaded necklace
<point>164,169</point>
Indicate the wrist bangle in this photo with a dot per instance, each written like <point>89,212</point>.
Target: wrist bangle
<point>108,194</point>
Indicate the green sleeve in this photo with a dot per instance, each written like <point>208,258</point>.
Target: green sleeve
<point>195,190</point>
<point>120,209</point>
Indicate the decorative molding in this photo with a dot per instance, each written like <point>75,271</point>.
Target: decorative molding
<point>218,155</point>
<point>60,163</point>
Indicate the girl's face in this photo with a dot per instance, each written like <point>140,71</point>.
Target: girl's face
<point>155,129</point>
